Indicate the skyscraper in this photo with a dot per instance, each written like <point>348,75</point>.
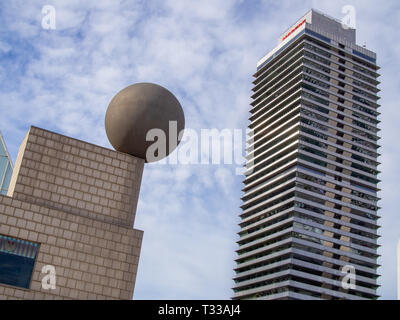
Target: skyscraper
<point>309,219</point>
<point>6,167</point>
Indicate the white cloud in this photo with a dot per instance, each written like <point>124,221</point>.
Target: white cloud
<point>5,47</point>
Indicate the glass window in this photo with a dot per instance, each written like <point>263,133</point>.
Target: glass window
<point>17,259</point>
<point>7,178</point>
<point>5,167</point>
<point>2,150</point>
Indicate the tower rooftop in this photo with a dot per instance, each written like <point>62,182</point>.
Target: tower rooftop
<point>318,24</point>
<point>324,23</point>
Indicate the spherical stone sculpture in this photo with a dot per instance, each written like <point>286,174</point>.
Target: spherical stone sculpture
<point>137,109</point>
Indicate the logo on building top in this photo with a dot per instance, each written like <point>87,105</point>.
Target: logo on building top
<point>294,29</point>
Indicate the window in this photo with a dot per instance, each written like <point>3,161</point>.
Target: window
<point>5,168</point>
<point>17,259</point>
<point>317,35</point>
<point>317,50</point>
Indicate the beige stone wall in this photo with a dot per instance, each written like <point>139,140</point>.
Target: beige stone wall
<point>93,259</point>
<point>78,177</point>
<point>78,201</point>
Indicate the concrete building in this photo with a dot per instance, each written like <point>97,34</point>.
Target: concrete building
<point>309,213</point>
<point>6,167</point>
<point>71,205</point>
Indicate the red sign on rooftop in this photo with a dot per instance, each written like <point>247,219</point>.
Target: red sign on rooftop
<point>293,30</point>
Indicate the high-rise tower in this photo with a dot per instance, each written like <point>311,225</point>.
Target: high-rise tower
<point>309,219</point>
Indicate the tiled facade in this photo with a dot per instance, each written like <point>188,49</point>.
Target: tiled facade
<point>78,202</point>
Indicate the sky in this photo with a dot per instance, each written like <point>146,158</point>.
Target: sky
<point>205,52</point>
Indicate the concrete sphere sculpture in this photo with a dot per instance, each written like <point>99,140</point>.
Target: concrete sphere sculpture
<point>137,109</point>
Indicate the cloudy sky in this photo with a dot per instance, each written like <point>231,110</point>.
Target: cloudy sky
<point>205,52</point>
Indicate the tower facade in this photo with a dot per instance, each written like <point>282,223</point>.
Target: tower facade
<point>6,167</point>
<point>309,212</point>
